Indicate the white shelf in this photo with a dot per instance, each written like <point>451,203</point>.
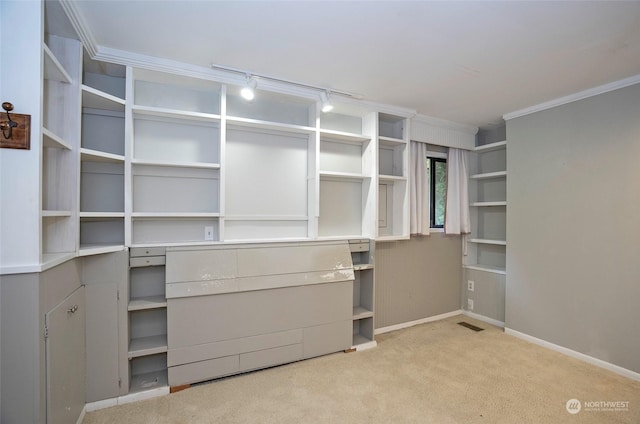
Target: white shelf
<point>49,139</point>
<point>362,267</point>
<point>97,156</point>
<point>360,313</point>
<point>97,249</point>
<point>266,218</point>
<point>55,214</point>
<point>97,99</point>
<point>498,174</point>
<point>101,214</point>
<point>173,113</point>
<point>345,137</point>
<point>53,69</point>
<point>143,303</point>
<point>487,204</point>
<point>49,260</point>
<point>175,215</point>
<point>391,142</point>
<point>176,164</point>
<point>391,178</point>
<point>488,241</point>
<point>487,268</point>
<point>341,176</point>
<point>145,346</point>
<point>255,123</point>
<point>491,147</point>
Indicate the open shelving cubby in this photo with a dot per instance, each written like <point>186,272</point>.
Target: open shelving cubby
<point>393,168</point>
<point>362,256</point>
<point>147,319</point>
<point>269,141</point>
<point>102,160</point>
<point>486,246</point>
<point>175,165</point>
<point>346,174</point>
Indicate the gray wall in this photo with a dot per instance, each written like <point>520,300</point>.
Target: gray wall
<point>487,295</point>
<point>417,278</point>
<point>573,226</point>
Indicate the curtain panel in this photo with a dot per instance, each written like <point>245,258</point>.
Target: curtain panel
<point>456,218</point>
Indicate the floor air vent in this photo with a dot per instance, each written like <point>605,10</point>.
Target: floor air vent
<point>470,326</point>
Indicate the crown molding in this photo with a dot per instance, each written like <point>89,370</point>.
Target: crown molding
<point>137,60</point>
<point>601,89</point>
<point>80,26</point>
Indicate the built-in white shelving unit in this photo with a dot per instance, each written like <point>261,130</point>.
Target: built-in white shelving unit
<point>102,159</point>
<point>393,169</point>
<point>347,160</point>
<point>486,247</point>
<point>60,139</point>
<point>175,151</point>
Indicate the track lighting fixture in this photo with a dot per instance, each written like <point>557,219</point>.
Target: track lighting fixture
<point>248,91</point>
<point>326,104</point>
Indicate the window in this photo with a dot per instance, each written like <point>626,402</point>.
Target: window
<point>437,167</point>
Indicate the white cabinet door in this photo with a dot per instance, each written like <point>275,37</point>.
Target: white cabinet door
<point>65,359</point>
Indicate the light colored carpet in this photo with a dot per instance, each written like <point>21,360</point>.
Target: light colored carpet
<point>438,372</point>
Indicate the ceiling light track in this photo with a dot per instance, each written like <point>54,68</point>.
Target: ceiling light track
<point>251,84</point>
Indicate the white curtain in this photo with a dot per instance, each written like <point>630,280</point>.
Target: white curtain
<point>419,189</point>
<point>456,218</point>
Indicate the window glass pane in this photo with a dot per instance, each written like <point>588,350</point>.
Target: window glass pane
<point>440,191</point>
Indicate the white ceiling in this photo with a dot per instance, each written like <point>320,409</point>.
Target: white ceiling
<point>468,62</point>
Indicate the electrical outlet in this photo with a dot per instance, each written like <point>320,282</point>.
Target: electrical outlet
<point>470,285</point>
<point>208,233</point>
<point>470,304</point>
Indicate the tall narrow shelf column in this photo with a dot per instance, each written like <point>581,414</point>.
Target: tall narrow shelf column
<point>147,320</point>
<point>102,161</point>
<point>393,175</point>
<point>60,139</point>
<point>486,247</point>
<point>484,253</point>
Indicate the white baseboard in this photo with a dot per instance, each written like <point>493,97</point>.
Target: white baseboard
<point>133,397</point>
<point>574,354</point>
<point>483,318</point>
<point>417,322</point>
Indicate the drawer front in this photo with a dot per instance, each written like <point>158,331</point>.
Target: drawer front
<point>204,370</point>
<point>358,247</point>
<point>147,261</point>
<point>146,251</point>
<point>270,357</point>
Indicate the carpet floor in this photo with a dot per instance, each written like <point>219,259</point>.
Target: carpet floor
<point>438,372</point>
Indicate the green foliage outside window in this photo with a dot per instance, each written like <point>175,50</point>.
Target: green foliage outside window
<point>437,170</point>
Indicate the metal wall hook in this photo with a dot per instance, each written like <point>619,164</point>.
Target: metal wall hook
<point>7,127</point>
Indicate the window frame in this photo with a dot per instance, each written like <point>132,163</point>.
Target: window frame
<point>434,157</point>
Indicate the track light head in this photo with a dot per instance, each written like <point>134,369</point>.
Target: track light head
<point>326,104</point>
<point>248,91</point>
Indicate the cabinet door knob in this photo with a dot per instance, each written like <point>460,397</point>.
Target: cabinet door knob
<point>73,309</point>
